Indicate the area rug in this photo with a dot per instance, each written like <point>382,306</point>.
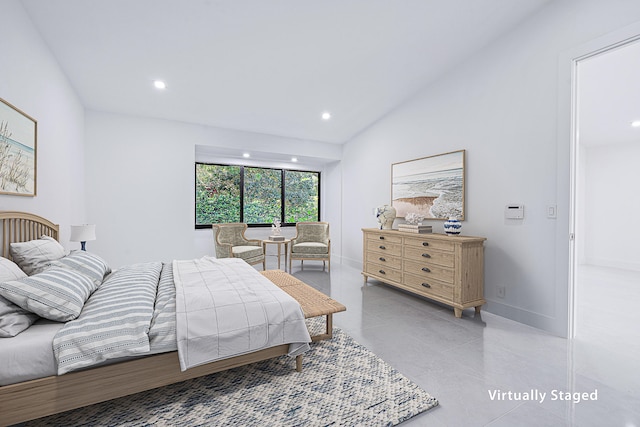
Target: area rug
<point>342,384</point>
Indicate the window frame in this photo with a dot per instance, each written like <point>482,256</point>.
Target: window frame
<point>242,197</point>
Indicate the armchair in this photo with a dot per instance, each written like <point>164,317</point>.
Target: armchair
<point>312,242</point>
<point>231,243</point>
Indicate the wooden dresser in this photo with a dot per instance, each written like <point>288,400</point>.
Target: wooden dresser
<point>448,269</point>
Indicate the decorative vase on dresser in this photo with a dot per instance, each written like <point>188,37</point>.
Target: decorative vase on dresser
<point>434,266</point>
<point>452,226</point>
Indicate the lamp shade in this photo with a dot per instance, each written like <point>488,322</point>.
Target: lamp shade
<point>83,233</point>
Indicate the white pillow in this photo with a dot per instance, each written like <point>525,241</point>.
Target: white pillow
<point>56,294</point>
<point>9,270</point>
<point>13,319</point>
<point>36,255</point>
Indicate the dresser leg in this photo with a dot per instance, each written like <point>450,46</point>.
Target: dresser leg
<point>458,312</point>
<point>478,309</point>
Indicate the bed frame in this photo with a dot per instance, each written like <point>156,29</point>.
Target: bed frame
<point>46,396</point>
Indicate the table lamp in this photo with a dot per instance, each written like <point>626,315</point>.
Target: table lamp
<point>83,233</point>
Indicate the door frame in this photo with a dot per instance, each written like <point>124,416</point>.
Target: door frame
<point>569,66</point>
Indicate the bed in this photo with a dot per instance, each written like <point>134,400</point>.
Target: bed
<point>35,398</point>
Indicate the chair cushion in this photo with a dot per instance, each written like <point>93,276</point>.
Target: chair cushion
<point>246,252</point>
<point>310,248</point>
<point>232,234</point>
<point>312,233</point>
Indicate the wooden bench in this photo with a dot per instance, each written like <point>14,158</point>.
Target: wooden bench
<point>313,302</point>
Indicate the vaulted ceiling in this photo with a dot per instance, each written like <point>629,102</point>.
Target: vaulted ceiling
<point>268,66</point>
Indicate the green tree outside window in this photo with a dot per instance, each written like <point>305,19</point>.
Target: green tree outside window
<point>217,194</point>
<point>301,196</point>
<point>262,195</point>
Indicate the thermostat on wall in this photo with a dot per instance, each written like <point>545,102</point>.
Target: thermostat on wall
<point>514,212</point>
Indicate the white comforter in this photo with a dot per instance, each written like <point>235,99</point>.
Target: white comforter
<point>225,309</point>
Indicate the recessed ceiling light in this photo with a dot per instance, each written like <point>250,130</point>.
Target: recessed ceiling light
<point>159,84</point>
<point>635,123</point>
<point>246,155</point>
<point>294,159</point>
<point>326,115</point>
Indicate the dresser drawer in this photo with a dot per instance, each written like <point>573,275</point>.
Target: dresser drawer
<point>429,271</point>
<point>384,247</point>
<point>429,255</point>
<point>429,287</point>
<point>385,260</point>
<point>385,272</point>
<point>425,242</point>
<point>380,237</point>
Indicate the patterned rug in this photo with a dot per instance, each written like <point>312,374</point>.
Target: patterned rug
<point>342,384</point>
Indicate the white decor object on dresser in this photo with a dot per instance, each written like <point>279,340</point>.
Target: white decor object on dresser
<point>434,266</point>
<point>386,214</point>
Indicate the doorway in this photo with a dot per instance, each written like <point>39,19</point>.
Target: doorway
<point>606,261</point>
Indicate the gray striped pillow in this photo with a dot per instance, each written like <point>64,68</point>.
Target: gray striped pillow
<point>13,319</point>
<point>56,294</point>
<point>89,264</point>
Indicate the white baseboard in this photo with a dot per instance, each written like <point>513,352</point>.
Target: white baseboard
<point>352,262</point>
<point>520,315</point>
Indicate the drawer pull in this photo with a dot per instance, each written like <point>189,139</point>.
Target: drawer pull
<point>381,237</point>
<point>382,247</point>
<point>382,259</point>
<point>382,272</point>
<point>426,270</point>
<point>426,255</point>
<point>426,285</point>
<point>425,243</point>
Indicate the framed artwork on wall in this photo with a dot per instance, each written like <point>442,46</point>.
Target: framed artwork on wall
<point>431,187</point>
<point>18,144</point>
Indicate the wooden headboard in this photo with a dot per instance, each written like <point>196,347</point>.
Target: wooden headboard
<point>22,227</point>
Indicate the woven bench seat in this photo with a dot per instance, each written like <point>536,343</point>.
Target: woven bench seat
<point>313,302</point>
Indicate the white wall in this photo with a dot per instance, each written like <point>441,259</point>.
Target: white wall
<point>502,106</point>
<point>31,80</point>
<point>610,235</point>
<point>141,175</point>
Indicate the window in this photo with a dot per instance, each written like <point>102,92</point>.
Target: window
<point>255,195</point>
<point>301,196</point>
<point>262,195</point>
<point>217,193</point>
